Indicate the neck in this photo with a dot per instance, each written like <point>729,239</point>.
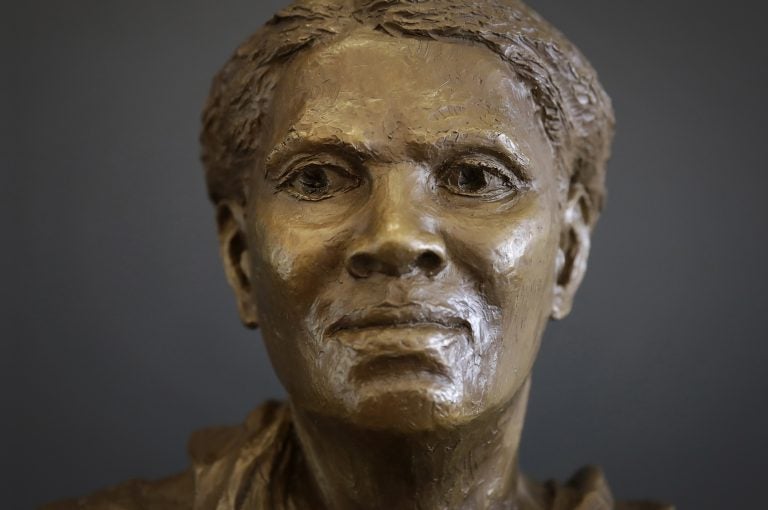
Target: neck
<point>470,466</point>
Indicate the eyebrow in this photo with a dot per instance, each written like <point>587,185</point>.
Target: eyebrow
<point>494,143</point>
<point>297,143</point>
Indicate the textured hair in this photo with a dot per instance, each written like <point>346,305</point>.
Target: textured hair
<point>574,110</point>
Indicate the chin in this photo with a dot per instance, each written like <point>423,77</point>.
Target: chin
<point>410,403</point>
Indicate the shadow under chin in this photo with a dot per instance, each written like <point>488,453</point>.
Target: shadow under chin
<point>417,402</point>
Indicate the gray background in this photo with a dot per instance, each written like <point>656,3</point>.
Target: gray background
<point>119,335</point>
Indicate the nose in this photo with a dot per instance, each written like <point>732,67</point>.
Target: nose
<point>397,240</point>
<point>397,259</point>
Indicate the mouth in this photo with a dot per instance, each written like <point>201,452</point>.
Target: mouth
<point>399,317</point>
<point>384,366</point>
<point>411,342</point>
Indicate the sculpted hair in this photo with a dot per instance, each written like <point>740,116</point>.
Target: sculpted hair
<point>574,110</point>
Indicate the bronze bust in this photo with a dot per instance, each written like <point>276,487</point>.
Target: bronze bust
<point>405,192</point>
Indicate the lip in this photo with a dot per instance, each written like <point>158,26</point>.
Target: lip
<point>410,316</point>
<point>378,367</point>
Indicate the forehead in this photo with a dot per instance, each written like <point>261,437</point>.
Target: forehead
<point>380,89</point>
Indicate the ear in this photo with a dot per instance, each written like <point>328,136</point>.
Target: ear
<point>233,247</point>
<point>573,251</point>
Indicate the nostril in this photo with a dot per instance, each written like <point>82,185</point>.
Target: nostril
<point>395,262</point>
<point>430,262</point>
<point>361,265</point>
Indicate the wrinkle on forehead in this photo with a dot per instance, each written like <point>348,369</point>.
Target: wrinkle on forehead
<point>357,58</point>
<point>372,90</point>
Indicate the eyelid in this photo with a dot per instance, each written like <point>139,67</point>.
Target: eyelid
<point>299,162</point>
<point>345,179</point>
<point>515,171</point>
<point>514,179</point>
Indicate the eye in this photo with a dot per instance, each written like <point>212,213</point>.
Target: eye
<point>479,178</point>
<point>315,182</point>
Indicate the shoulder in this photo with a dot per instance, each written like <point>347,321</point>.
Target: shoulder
<point>214,444</point>
<point>216,454</point>
<point>173,493</point>
<point>587,489</point>
<point>247,462</point>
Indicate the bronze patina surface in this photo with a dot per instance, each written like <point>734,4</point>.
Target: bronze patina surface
<point>405,193</point>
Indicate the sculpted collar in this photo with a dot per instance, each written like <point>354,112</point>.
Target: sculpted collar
<point>250,468</point>
<point>254,466</point>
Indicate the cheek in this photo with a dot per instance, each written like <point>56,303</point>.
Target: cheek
<point>508,255</point>
<point>515,269</point>
<point>526,291</point>
<point>295,248</point>
<point>290,263</point>
<point>513,265</point>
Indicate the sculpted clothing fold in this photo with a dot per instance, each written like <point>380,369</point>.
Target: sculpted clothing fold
<point>257,466</point>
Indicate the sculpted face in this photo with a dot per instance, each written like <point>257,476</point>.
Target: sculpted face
<point>401,244</point>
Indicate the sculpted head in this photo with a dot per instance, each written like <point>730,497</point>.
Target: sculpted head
<point>405,193</point>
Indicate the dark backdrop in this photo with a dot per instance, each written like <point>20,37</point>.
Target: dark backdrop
<point>120,337</point>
